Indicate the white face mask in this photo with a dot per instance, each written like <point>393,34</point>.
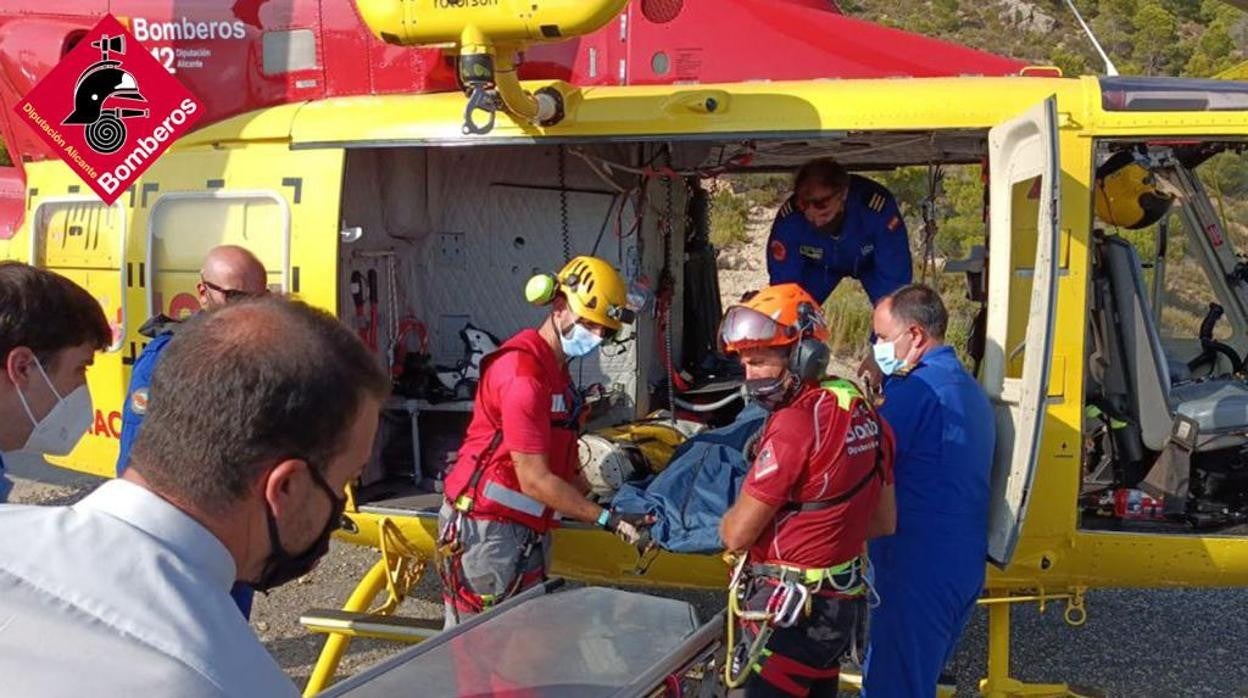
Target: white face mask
<point>580,341</point>
<point>59,431</point>
<point>886,357</point>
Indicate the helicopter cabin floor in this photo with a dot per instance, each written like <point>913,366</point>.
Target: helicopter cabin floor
<point>386,498</point>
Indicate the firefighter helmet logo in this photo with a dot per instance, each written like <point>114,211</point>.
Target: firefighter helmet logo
<point>109,109</point>
<point>100,87</point>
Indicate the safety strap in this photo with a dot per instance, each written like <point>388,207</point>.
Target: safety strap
<point>463,501</point>
<point>876,471</point>
<point>456,590</point>
<point>790,601</point>
<point>844,579</point>
<point>845,496</point>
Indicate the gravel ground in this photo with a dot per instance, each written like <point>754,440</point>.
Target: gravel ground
<point>1135,643</point>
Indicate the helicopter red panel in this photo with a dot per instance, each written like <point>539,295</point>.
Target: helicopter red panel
<point>257,53</point>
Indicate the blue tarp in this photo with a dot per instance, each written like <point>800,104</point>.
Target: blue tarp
<point>691,495</point>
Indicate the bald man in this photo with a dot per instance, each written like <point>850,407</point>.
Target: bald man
<point>229,272</point>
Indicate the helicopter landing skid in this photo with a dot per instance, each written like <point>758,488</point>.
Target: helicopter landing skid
<point>999,683</point>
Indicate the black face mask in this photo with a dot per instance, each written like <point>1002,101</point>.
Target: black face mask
<point>770,393</point>
<point>282,567</point>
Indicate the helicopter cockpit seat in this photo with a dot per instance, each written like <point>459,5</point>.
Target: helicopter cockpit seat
<point>1218,406</point>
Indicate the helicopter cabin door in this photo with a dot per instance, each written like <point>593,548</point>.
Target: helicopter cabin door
<point>1022,298</point>
<point>281,204</point>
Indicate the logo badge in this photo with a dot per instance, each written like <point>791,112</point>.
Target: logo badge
<point>765,465</point>
<point>109,109</point>
<point>138,401</point>
<point>778,252</point>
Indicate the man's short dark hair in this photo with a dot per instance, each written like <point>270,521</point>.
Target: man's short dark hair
<point>46,313</point>
<point>917,304</point>
<point>244,387</point>
<point>824,172</point>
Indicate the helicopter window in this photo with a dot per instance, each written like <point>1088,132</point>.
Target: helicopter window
<point>1171,94</point>
<point>84,240</point>
<point>1179,267</point>
<point>184,226</point>
<point>1185,290</point>
<point>1168,342</point>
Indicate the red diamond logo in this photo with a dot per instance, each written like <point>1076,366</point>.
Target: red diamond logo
<point>109,109</point>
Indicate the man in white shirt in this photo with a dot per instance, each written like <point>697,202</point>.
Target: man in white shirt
<point>259,415</point>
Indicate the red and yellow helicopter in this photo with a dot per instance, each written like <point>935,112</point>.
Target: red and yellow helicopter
<point>447,150</point>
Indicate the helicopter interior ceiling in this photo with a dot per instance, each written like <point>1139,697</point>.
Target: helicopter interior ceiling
<point>856,150</point>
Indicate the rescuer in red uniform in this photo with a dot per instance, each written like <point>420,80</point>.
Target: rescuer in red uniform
<point>517,468</point>
<point>819,486</point>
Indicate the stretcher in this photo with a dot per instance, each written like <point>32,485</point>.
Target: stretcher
<point>548,643</point>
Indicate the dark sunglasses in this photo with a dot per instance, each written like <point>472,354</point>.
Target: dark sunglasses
<point>231,294</point>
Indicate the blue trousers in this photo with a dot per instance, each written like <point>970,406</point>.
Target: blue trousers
<point>928,585</point>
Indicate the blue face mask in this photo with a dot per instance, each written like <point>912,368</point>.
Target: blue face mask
<point>579,342</point>
<point>886,357</point>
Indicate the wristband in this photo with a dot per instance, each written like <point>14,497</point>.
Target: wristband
<point>603,518</point>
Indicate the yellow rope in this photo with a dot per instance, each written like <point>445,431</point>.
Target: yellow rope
<point>405,565</point>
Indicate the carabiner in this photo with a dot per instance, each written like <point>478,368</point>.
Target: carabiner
<point>480,99</point>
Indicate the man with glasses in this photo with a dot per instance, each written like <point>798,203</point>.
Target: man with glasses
<point>517,468</point>
<point>837,225</point>
<point>229,273</point>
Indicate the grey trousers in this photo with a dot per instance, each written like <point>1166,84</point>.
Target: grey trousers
<point>494,554</point>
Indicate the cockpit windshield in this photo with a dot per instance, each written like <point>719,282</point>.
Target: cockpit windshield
<point>1172,94</point>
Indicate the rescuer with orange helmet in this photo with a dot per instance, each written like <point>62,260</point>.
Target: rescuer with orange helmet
<point>517,468</point>
<point>819,485</point>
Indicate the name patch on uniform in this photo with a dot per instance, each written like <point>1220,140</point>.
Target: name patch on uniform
<point>811,252</point>
<point>778,251</point>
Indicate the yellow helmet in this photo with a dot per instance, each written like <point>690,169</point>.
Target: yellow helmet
<point>1126,195</point>
<point>595,291</point>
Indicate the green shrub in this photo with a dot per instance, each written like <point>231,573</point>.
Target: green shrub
<point>727,219</point>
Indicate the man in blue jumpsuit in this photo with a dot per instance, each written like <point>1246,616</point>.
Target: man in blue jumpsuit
<point>837,225</point>
<point>931,571</point>
<point>229,272</point>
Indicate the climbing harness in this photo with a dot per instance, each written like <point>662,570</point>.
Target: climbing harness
<point>450,546</point>
<point>790,602</point>
<point>451,569</point>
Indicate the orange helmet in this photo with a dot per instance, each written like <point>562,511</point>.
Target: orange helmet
<point>777,316</point>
